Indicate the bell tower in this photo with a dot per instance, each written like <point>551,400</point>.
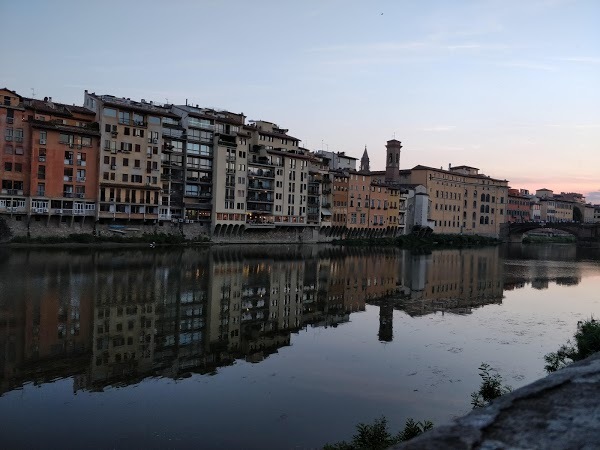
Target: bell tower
<point>364,162</point>
<point>392,161</point>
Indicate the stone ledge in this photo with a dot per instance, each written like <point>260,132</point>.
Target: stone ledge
<point>559,411</point>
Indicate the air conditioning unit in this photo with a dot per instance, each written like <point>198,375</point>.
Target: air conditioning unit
<point>188,221</point>
<point>147,184</point>
<point>113,151</point>
<point>70,145</point>
<point>155,141</point>
<point>180,220</point>
<point>113,167</point>
<point>59,211</point>
<point>34,210</point>
<point>43,141</point>
<point>44,210</point>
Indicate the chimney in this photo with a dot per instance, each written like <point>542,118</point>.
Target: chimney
<point>449,166</point>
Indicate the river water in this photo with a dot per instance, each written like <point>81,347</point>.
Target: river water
<point>270,346</point>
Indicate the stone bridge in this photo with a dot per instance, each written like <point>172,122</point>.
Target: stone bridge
<point>584,232</point>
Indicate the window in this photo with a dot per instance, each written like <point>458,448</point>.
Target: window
<point>124,117</point>
<point>8,150</point>
<point>18,150</point>
<point>110,112</point>
<point>8,166</point>
<point>8,134</point>
<point>18,167</point>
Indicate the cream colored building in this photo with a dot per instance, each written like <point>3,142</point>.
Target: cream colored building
<point>463,201</point>
<point>130,157</point>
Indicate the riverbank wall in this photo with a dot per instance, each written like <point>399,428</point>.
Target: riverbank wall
<point>56,227</point>
<point>558,411</point>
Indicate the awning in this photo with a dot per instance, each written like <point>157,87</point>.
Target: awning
<point>326,212</point>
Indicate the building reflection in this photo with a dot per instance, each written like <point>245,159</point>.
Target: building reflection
<point>111,318</point>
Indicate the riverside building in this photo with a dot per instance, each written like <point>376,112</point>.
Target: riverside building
<point>130,163</point>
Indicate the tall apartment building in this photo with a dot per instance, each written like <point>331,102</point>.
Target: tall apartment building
<point>462,199</point>
<point>49,159</point>
<point>130,163</point>
<point>15,154</point>
<point>64,160</point>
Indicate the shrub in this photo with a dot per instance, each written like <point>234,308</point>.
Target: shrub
<point>491,387</point>
<point>377,435</point>
<point>587,342</point>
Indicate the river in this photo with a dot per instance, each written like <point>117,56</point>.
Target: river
<point>270,346</point>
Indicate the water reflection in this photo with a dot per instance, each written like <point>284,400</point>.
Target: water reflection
<point>111,318</point>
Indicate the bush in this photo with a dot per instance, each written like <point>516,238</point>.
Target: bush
<point>587,342</point>
<point>491,387</point>
<point>377,435</point>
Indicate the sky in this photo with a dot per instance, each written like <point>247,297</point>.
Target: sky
<point>509,86</point>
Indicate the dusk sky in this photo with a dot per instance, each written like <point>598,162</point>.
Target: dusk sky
<point>511,87</point>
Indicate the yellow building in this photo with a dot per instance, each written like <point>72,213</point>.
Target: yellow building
<point>462,200</point>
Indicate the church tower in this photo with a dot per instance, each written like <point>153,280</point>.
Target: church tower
<point>364,162</point>
<point>392,164</point>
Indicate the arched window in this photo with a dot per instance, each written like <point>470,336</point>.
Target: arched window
<point>487,198</point>
<point>482,209</point>
<point>483,197</point>
<point>475,204</point>
<point>487,220</point>
<point>475,193</point>
<point>481,220</point>
<point>474,215</point>
<point>487,208</point>
<point>465,214</point>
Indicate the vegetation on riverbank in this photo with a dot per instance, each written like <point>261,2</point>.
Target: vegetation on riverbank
<point>433,241</point>
<point>587,342</point>
<point>84,238</point>
<point>491,387</point>
<point>549,239</point>
<point>377,436</point>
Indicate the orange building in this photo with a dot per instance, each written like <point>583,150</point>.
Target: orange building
<point>64,159</point>
<point>14,154</point>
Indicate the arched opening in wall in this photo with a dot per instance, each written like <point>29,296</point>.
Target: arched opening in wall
<point>481,220</point>
<point>482,209</point>
<point>487,208</point>
<point>487,220</point>
<point>487,198</point>
<point>483,197</point>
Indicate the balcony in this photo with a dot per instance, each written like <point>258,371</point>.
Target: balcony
<point>260,186</point>
<point>12,191</point>
<point>261,173</point>
<point>68,194</point>
<point>68,162</point>
<point>260,198</point>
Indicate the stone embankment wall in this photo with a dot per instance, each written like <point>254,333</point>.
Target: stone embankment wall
<point>556,412</point>
<point>54,226</point>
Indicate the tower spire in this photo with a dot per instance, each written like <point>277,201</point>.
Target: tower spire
<point>364,161</point>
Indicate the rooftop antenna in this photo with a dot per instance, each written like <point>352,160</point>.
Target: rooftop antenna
<point>32,92</point>
<point>394,135</point>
